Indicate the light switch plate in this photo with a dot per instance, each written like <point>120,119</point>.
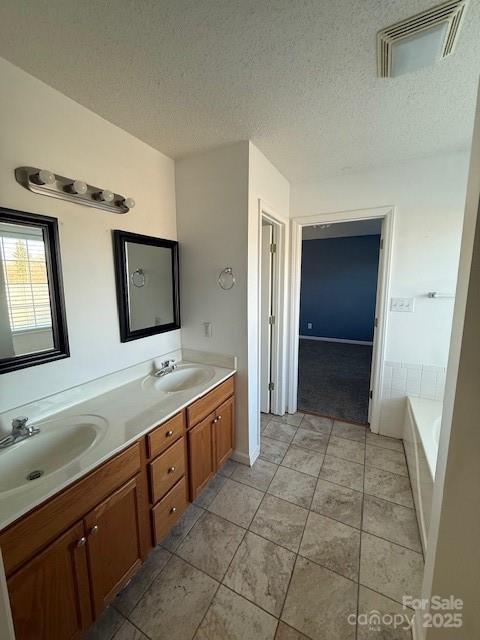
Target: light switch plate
<point>402,304</point>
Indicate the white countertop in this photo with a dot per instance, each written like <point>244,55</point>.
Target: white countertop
<point>131,410</point>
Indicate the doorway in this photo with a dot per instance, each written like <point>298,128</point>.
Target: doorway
<point>267,323</point>
<point>339,274</point>
<point>330,357</point>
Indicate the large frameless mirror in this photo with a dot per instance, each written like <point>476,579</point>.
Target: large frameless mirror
<point>33,327</point>
<point>147,285</point>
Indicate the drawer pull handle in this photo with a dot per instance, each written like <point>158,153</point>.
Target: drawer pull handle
<point>82,542</point>
<point>171,469</point>
<point>169,434</point>
<point>173,510</point>
<point>94,530</point>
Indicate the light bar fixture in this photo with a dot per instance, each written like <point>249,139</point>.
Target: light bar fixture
<point>51,184</point>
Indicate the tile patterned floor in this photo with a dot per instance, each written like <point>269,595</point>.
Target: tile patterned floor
<point>320,527</point>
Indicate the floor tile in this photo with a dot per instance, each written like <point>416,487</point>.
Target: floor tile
<point>128,632</point>
<point>348,430</point>
<point>280,521</point>
<point>211,545</point>
<point>228,468</point>
<point>390,569</point>
<point>311,440</point>
<point>346,449</point>
<point>339,503</point>
<point>208,495</point>
<point>387,459</point>
<point>129,596</point>
<point>284,632</point>
<point>332,544</point>
<point>303,460</point>
<point>290,418</point>
<point>106,625</point>
<point>272,450</point>
<point>317,423</point>
<point>259,475</point>
<point>383,441</point>
<point>349,474</point>
<point>293,486</point>
<point>236,502</point>
<point>371,603</point>
<point>183,526</point>
<point>319,602</point>
<point>391,521</point>
<point>280,431</point>
<point>265,419</point>
<point>175,603</point>
<point>232,617</point>
<point>260,571</point>
<point>389,486</point>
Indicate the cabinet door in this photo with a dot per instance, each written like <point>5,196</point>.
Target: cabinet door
<point>49,596</point>
<point>224,432</point>
<point>200,455</point>
<point>114,548</point>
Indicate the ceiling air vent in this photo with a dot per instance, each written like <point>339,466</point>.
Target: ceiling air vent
<point>420,40</point>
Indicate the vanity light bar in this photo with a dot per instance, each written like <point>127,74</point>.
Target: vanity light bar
<point>51,184</point>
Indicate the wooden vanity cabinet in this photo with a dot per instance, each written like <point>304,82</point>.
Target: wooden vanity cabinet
<point>212,440</point>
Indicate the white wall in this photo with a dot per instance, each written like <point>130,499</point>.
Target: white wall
<point>452,565</point>
<point>212,203</point>
<point>41,127</point>
<point>428,195</point>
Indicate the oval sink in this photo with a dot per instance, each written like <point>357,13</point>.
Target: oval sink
<point>59,443</point>
<point>183,377</point>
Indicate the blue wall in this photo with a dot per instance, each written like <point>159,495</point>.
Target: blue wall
<point>339,284</point>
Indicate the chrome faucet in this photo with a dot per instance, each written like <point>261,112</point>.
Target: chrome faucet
<point>166,367</point>
<point>20,432</point>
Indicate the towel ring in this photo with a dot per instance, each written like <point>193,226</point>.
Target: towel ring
<point>226,279</point>
<point>138,278</point>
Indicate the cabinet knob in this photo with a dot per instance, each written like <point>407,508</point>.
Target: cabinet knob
<point>173,510</point>
<point>169,434</point>
<point>171,469</point>
<point>219,417</point>
<point>94,529</point>
<point>214,421</point>
<point>82,541</point>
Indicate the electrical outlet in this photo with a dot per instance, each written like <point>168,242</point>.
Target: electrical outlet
<point>309,325</point>
<point>402,304</point>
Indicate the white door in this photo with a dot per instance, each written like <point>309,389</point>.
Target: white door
<point>378,305</point>
<point>265,314</point>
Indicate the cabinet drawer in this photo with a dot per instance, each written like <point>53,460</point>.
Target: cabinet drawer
<point>167,469</point>
<point>166,434</point>
<point>27,536</point>
<point>166,513</point>
<point>206,405</point>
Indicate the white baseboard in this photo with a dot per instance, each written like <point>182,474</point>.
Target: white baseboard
<point>336,340</point>
<point>245,458</point>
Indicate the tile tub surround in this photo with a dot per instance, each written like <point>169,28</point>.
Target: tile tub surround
<point>130,411</point>
<point>251,564</point>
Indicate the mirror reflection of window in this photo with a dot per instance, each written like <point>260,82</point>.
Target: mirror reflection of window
<point>150,285</point>
<point>25,312</point>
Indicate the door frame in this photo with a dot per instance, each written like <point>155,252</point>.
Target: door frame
<point>387,215</point>
<point>279,340</point>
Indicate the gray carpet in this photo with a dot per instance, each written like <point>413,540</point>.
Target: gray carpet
<point>334,379</point>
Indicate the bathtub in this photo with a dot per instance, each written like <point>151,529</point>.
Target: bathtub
<point>421,434</point>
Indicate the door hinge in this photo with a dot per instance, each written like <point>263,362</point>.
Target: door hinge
<point>271,320</point>
<point>370,394</point>
<point>375,324</point>
<point>271,386</point>
<point>273,248</point>
<point>381,244</point>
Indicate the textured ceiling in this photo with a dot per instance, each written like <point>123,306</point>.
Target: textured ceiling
<point>297,77</point>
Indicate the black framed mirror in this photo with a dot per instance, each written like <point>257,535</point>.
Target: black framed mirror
<point>33,325</point>
<point>146,271</point>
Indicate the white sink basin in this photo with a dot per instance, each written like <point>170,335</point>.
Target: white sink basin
<point>59,443</point>
<point>185,376</point>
